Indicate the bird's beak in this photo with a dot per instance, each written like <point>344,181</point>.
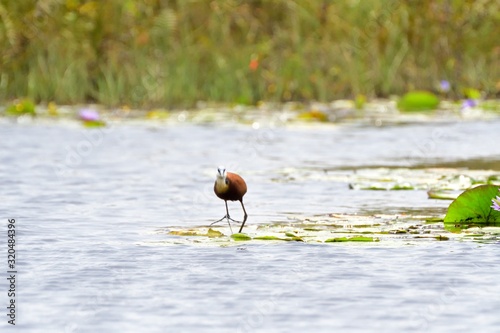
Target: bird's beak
<point>220,172</point>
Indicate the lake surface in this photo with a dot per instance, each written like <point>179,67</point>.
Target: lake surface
<point>88,204</point>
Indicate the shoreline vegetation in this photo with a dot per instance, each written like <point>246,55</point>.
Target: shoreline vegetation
<point>151,53</point>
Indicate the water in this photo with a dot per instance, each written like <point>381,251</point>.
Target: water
<point>87,205</point>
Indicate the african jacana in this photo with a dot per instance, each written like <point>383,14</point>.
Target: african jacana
<point>230,186</point>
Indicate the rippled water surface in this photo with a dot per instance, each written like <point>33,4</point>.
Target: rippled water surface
<point>88,203</point>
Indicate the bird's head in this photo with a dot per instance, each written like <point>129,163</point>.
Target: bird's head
<point>221,172</point>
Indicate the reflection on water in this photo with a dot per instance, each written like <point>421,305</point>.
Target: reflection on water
<point>85,201</point>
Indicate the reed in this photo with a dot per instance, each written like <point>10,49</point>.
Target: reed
<point>153,53</point>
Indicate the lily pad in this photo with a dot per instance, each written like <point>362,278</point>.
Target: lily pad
<point>313,115</point>
<point>214,233</point>
<point>93,123</point>
<point>442,194</point>
<point>211,233</point>
<point>184,233</point>
<point>352,239</point>
<point>473,208</point>
<point>340,228</point>
<point>418,101</point>
<point>268,238</point>
<point>295,238</point>
<point>25,106</point>
<point>240,237</point>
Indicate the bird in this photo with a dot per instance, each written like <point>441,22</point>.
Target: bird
<point>230,186</point>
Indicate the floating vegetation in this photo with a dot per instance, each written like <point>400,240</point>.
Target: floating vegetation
<point>269,238</point>
<point>440,183</point>
<point>352,239</point>
<point>493,180</point>
<point>158,114</point>
<point>21,107</point>
<point>395,229</point>
<point>473,208</point>
<point>442,194</point>
<point>210,233</point>
<point>418,101</point>
<point>94,123</point>
<point>313,115</point>
<point>185,233</point>
<point>360,101</point>
<point>378,112</point>
<point>240,237</point>
<point>90,118</point>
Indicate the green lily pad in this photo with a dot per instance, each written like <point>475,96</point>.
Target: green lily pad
<point>268,238</point>
<point>418,101</point>
<point>312,229</point>
<point>240,237</point>
<point>94,123</point>
<point>433,220</point>
<point>473,208</point>
<point>295,238</point>
<point>403,186</point>
<point>352,239</point>
<point>25,106</point>
<point>441,194</point>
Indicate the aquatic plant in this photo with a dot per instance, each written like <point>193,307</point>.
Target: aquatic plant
<point>473,208</point>
<point>444,86</point>
<point>352,239</point>
<point>418,101</point>
<point>21,107</point>
<point>176,53</point>
<point>496,203</point>
<point>88,114</point>
<point>469,103</point>
<point>90,118</point>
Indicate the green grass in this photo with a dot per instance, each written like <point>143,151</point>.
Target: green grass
<point>173,54</point>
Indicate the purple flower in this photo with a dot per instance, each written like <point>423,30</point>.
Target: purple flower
<point>469,103</point>
<point>88,114</point>
<point>496,203</point>
<point>445,86</point>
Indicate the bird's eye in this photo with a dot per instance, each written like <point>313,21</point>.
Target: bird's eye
<point>227,181</point>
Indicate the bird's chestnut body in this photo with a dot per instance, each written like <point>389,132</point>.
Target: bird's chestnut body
<point>230,186</point>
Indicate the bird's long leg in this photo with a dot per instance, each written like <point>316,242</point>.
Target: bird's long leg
<point>228,218</point>
<point>225,217</point>
<point>244,217</point>
<point>219,220</point>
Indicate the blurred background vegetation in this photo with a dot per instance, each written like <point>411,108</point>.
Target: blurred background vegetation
<point>148,53</point>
